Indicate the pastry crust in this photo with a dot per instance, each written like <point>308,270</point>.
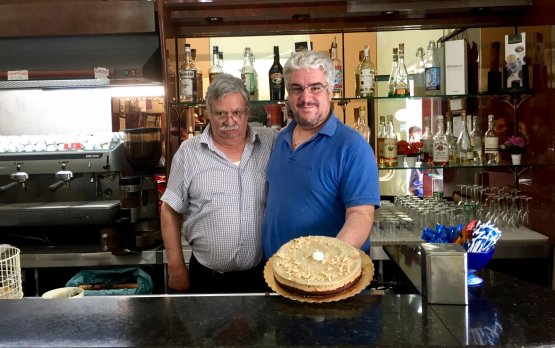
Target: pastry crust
<point>299,267</point>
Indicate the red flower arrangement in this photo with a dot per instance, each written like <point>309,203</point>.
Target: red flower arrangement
<point>514,145</point>
<point>409,149</point>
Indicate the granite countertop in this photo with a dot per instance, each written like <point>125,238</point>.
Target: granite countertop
<point>504,312</point>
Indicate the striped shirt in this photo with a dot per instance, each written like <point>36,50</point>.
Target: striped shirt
<point>222,203</point>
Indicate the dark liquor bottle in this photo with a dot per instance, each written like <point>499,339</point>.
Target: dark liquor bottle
<point>277,84</point>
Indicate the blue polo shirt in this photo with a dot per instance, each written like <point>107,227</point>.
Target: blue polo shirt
<point>310,188</point>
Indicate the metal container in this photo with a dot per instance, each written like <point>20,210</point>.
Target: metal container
<point>444,273</point>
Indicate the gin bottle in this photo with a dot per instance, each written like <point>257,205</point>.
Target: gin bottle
<point>337,72</point>
<point>402,77</point>
<point>367,75</point>
<point>491,144</point>
<point>393,73</point>
<point>187,78</point>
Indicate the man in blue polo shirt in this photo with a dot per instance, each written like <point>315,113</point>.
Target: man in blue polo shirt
<point>322,175</point>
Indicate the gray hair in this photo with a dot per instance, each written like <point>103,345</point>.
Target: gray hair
<point>224,84</point>
<point>309,60</point>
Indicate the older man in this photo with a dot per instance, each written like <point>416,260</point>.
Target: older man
<point>216,195</point>
<point>322,175</point>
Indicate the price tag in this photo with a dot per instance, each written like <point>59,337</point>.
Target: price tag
<point>101,73</point>
<point>18,75</point>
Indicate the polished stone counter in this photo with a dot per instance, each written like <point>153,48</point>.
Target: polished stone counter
<point>503,312</point>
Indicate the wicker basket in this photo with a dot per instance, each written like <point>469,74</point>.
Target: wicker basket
<point>10,273</point>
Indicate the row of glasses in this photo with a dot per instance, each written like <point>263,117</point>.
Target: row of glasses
<point>392,222</point>
<point>503,206</point>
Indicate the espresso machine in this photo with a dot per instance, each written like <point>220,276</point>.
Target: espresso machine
<point>58,189</point>
<point>139,224</point>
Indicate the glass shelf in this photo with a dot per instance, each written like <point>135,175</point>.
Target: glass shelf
<point>504,95</point>
<point>457,166</point>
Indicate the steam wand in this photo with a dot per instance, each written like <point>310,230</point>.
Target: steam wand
<point>18,177</point>
<point>65,176</point>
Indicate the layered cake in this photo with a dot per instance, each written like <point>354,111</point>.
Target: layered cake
<point>317,266</point>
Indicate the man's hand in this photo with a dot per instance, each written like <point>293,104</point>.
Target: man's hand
<point>178,278</point>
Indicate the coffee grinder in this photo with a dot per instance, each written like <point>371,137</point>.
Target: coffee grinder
<point>139,225</point>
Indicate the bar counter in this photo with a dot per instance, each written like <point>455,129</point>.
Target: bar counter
<point>502,312</point>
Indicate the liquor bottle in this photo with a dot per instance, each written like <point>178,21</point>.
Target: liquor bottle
<point>187,78</point>
<point>476,141</point>
<point>464,150</point>
<point>451,138</point>
<point>367,73</point>
<point>380,141</point>
<point>427,141</point>
<point>277,85</point>
<point>248,74</point>
<point>419,88</point>
<point>402,77</point>
<point>440,146</point>
<point>432,71</point>
<point>198,82</point>
<point>491,144</point>
<point>394,67</point>
<point>337,71</point>
<point>214,69</point>
<point>357,73</point>
<point>390,144</point>
<point>221,61</point>
<point>360,124</point>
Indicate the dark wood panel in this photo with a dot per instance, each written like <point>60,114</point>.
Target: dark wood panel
<point>50,18</point>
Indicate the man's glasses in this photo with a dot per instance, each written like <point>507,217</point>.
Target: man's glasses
<point>236,115</point>
<point>316,88</point>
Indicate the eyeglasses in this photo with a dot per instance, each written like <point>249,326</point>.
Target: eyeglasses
<point>222,115</point>
<point>316,88</point>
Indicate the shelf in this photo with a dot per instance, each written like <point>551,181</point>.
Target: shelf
<point>456,166</point>
<point>504,96</point>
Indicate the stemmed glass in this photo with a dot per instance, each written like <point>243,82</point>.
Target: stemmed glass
<point>525,217</point>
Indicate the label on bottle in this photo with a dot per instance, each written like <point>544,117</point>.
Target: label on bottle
<point>440,151</point>
<point>380,148</point>
<point>187,79</point>
<point>276,86</point>
<point>249,81</point>
<point>337,81</point>
<point>491,145</point>
<point>390,152</point>
<point>433,78</point>
<point>366,82</point>
<point>276,79</point>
